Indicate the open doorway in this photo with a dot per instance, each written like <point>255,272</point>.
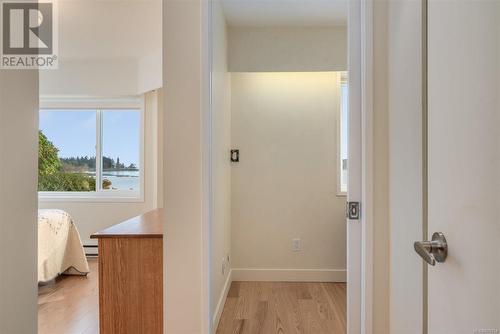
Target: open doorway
<point>279,167</point>
<point>99,149</point>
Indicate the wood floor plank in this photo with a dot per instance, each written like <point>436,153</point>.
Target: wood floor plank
<point>227,317</point>
<point>70,305</point>
<point>257,325</point>
<point>234,290</point>
<point>334,294</point>
<point>284,308</point>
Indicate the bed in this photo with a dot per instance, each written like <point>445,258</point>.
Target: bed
<point>60,249</point>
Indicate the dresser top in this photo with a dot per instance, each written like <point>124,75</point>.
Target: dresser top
<point>148,225</point>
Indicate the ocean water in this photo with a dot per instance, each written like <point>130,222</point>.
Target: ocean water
<point>122,179</point>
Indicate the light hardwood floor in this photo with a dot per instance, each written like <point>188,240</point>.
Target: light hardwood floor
<point>287,308</point>
<point>70,305</point>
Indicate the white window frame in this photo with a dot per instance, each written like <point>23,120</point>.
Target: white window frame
<point>98,104</point>
<point>342,79</point>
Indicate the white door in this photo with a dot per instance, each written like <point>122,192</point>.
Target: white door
<point>464,164</point>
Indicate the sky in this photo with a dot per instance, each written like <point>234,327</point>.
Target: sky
<point>73,132</point>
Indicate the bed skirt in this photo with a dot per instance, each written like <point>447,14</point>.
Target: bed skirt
<point>60,249</point>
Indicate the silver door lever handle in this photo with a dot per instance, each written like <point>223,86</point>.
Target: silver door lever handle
<point>434,250</point>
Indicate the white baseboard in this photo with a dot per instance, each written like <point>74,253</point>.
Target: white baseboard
<point>289,275</point>
<point>221,302</point>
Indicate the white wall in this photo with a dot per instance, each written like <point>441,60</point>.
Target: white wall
<point>274,49</point>
<point>149,71</point>
<point>106,48</point>
<point>284,186</point>
<point>18,202</point>
<point>91,77</point>
<point>185,273</point>
<point>221,165</point>
<point>103,77</point>
<point>91,217</point>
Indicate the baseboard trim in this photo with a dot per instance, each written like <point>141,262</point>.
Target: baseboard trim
<point>91,250</point>
<point>289,275</point>
<point>221,302</point>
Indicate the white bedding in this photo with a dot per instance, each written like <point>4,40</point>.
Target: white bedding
<point>60,249</point>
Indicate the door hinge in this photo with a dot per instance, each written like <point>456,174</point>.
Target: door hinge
<point>353,210</point>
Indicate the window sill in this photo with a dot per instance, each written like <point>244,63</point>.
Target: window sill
<point>342,194</point>
<point>115,197</point>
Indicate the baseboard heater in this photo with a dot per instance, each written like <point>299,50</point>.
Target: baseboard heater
<point>91,250</point>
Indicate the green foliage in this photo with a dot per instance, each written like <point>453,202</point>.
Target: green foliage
<point>54,173</point>
<point>108,163</point>
<point>66,182</point>
<point>48,161</point>
<point>78,164</point>
<point>84,164</point>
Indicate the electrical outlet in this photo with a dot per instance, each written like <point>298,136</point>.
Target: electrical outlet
<point>296,245</point>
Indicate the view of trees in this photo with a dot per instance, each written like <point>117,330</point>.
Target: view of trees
<point>84,164</point>
<point>66,182</point>
<point>50,174</point>
<point>70,174</point>
<point>48,160</point>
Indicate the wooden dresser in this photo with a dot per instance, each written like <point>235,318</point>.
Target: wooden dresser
<point>131,275</point>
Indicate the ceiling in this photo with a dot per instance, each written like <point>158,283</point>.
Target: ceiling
<point>285,12</point>
<point>117,29</point>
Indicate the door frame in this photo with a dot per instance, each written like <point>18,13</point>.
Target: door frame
<point>360,233</point>
<point>361,164</point>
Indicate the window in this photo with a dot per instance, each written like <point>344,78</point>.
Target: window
<point>90,153</point>
<point>343,134</point>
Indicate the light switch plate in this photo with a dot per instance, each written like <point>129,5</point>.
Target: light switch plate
<point>296,245</point>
